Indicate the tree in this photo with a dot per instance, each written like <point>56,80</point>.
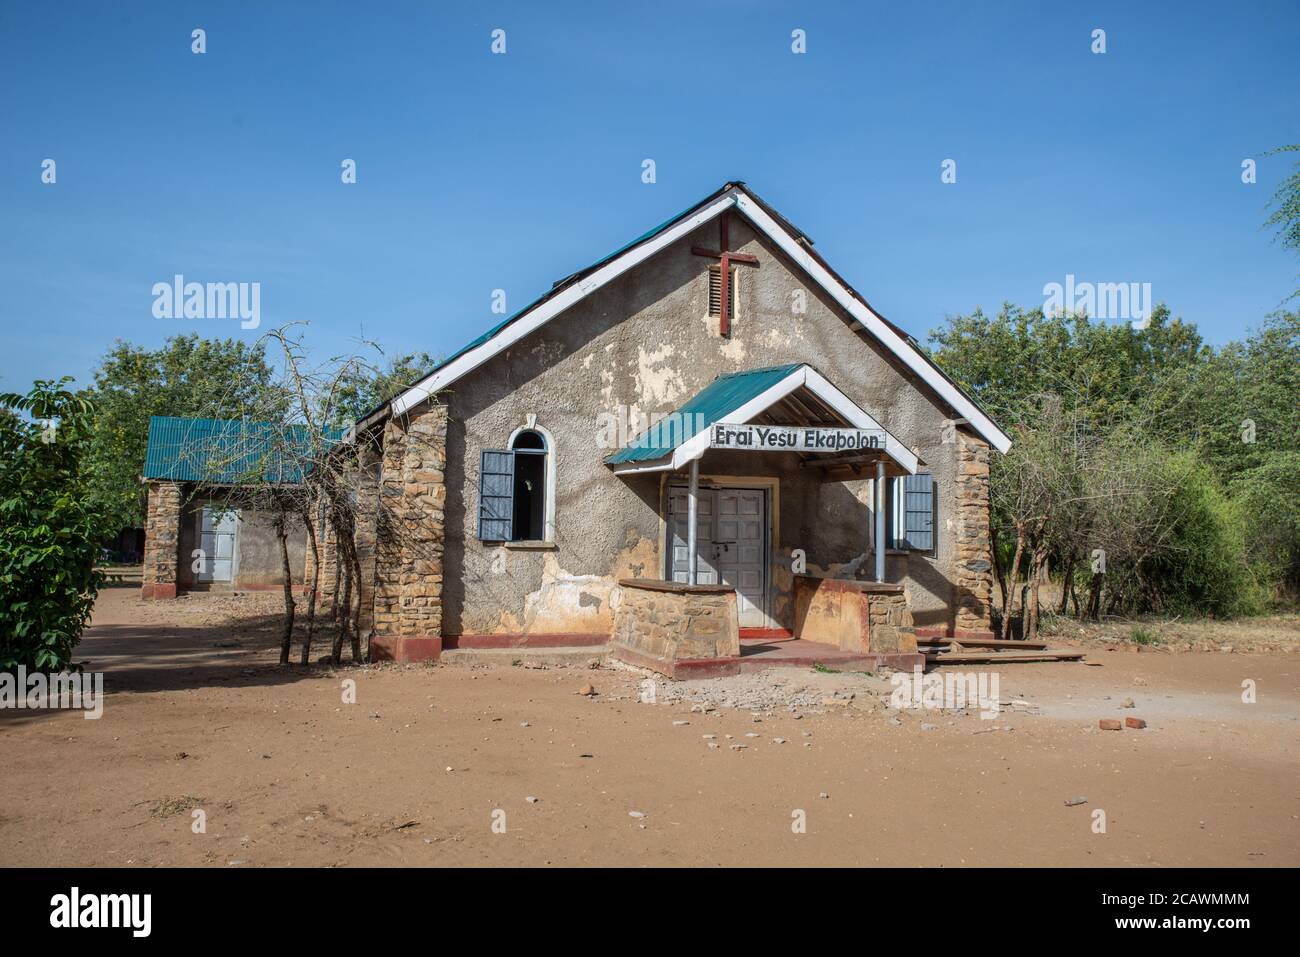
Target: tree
<point>1285,217</point>
<point>298,463</point>
<point>48,527</point>
<point>1154,470</point>
<point>187,376</point>
<point>365,386</point>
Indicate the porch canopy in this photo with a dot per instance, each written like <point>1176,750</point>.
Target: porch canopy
<point>814,420</point>
<point>792,409</point>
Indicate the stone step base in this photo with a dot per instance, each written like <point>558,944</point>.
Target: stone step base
<point>564,657</point>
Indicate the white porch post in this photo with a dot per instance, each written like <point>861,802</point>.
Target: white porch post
<point>880,520</point>
<point>692,509</point>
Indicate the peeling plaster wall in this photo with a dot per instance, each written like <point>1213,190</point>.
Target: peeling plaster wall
<point>645,342</point>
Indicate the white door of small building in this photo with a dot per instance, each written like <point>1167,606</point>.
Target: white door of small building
<point>217,543</point>
<point>731,542</point>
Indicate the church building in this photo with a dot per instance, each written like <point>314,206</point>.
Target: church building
<point>700,447</point>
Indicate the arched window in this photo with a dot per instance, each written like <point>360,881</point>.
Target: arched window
<point>517,488</point>
<point>529,522</point>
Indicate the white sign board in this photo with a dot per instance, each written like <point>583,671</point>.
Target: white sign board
<point>793,438</point>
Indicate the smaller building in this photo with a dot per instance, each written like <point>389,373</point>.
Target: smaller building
<point>199,532</point>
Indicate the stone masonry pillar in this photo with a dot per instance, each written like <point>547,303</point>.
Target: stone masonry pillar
<point>366,531</point>
<point>973,587</point>
<point>161,540</point>
<point>409,543</point>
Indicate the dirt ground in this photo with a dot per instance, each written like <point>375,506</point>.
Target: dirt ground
<point>511,765</point>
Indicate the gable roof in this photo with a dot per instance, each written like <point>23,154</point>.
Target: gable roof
<point>225,451</point>
<point>738,398</point>
<point>732,196</point>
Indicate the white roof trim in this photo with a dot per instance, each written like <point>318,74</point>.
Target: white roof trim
<point>805,377</point>
<point>754,212</point>
<point>876,326</point>
<point>553,307</point>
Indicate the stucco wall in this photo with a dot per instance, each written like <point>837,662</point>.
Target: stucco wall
<point>645,343</point>
<point>260,564</point>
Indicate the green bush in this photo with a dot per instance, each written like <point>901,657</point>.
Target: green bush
<point>1144,636</point>
<point>1269,496</point>
<point>48,530</point>
<point>1202,566</point>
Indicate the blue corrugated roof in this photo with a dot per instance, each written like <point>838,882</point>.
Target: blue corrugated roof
<point>226,451</point>
<point>719,398</point>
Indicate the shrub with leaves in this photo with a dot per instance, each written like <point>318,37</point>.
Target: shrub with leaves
<point>48,529</point>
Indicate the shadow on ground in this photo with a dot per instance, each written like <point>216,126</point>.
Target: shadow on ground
<point>240,651</point>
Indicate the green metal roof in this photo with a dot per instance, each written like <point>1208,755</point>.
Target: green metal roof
<point>227,451</point>
<point>718,399</point>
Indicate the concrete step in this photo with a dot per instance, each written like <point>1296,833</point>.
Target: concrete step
<point>575,656</point>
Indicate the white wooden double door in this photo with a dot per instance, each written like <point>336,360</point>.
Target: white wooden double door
<point>731,542</point>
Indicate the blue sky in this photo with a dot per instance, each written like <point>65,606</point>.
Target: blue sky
<point>479,171</point>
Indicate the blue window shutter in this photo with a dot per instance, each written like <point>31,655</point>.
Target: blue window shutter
<point>496,495</point>
<point>918,512</point>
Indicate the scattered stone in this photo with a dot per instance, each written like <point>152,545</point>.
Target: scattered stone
<point>738,747</point>
<point>1076,801</point>
<point>1134,723</point>
<point>636,814</point>
<point>587,691</point>
<point>1110,724</point>
<point>523,724</point>
<point>710,737</point>
<point>679,723</point>
<point>532,800</point>
<point>929,727</point>
<point>778,740</point>
<point>824,796</point>
<point>751,734</point>
<point>1127,703</point>
<point>894,720</point>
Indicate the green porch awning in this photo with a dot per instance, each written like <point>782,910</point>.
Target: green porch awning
<point>794,393</point>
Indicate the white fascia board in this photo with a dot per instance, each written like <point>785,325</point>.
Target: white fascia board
<point>557,304</point>
<point>875,325</point>
<point>664,464</point>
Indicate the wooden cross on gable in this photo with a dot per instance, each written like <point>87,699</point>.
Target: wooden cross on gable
<point>725,258</point>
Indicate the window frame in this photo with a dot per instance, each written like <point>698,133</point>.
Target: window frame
<point>896,516</point>
<point>548,491</point>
